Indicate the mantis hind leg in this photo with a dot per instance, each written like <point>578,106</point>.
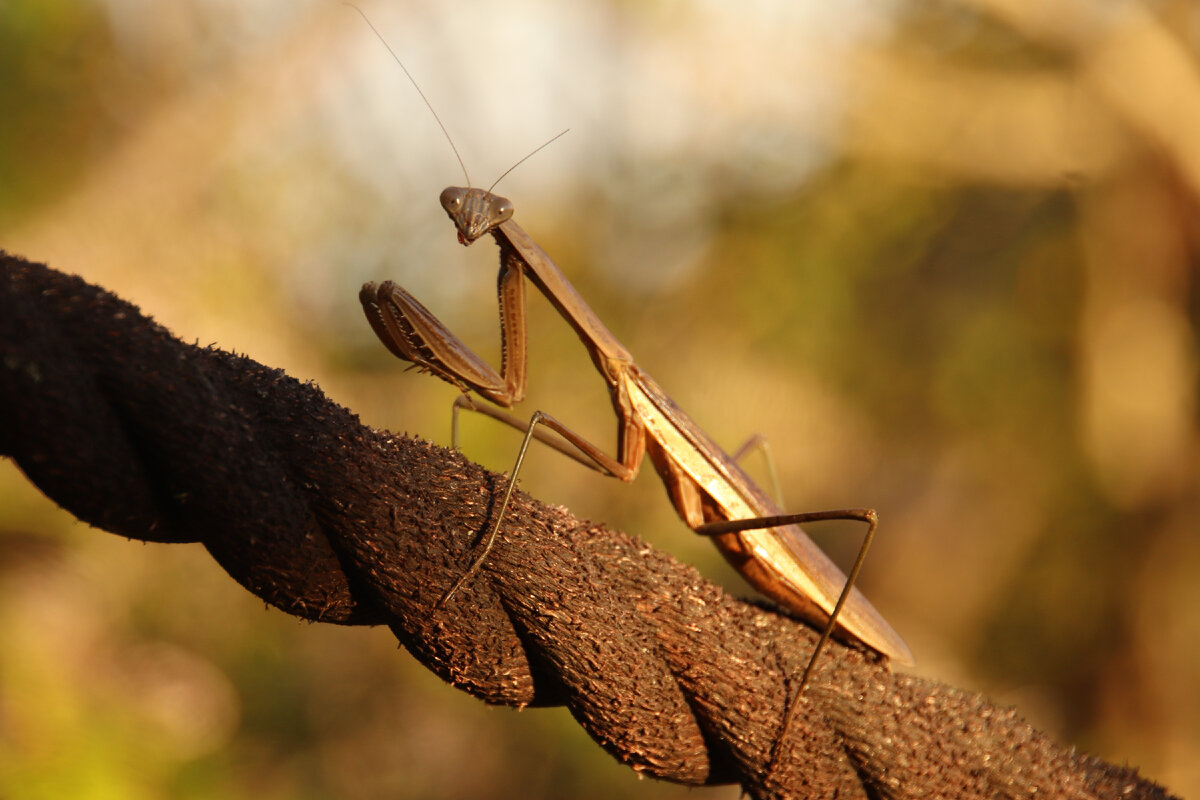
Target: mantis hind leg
<point>866,515</point>
<point>761,444</point>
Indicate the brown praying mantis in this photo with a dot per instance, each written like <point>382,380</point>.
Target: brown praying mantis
<point>712,494</point>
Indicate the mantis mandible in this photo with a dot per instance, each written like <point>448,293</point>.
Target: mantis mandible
<point>711,493</point>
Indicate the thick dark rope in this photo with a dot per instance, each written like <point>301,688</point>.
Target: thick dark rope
<point>140,434</point>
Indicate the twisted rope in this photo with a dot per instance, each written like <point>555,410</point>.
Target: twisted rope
<point>145,436</point>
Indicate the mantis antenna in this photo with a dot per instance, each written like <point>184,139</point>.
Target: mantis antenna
<point>417,86</point>
<point>429,105</point>
<point>539,148</point>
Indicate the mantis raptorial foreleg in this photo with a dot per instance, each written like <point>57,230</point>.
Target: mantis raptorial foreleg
<point>412,333</point>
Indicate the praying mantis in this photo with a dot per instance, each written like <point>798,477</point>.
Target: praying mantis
<point>711,493</point>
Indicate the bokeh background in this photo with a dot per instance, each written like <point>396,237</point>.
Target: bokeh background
<point>942,254</point>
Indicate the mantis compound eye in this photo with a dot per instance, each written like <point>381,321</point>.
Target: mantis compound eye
<point>452,199</point>
<point>502,209</point>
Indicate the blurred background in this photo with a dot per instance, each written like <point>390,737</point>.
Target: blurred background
<point>942,254</point>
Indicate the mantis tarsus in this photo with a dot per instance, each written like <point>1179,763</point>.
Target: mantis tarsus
<point>709,490</point>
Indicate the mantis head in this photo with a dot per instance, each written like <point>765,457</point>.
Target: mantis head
<point>475,211</point>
